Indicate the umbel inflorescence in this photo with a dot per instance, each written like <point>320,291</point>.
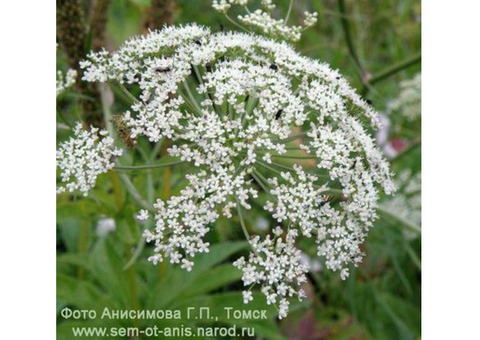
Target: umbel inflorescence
<point>235,107</point>
<point>82,158</point>
<point>263,20</point>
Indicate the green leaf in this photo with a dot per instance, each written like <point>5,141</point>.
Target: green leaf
<point>82,294</point>
<point>69,232</point>
<point>413,256</point>
<point>178,280</point>
<point>80,260</point>
<point>83,207</point>
<point>215,278</point>
<point>217,254</point>
<point>127,230</point>
<point>404,315</point>
<point>401,274</point>
<point>106,264</point>
<point>218,303</point>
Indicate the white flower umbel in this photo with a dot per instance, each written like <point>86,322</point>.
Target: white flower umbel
<point>277,266</point>
<point>183,221</point>
<point>234,105</point>
<point>65,81</point>
<point>83,157</point>
<point>338,234</point>
<point>409,101</point>
<point>262,19</point>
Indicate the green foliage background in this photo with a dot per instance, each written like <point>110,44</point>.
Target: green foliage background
<point>380,300</point>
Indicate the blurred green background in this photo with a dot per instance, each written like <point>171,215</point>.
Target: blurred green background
<point>375,44</point>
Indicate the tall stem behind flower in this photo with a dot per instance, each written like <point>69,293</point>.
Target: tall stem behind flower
<point>159,13</point>
<point>73,38</point>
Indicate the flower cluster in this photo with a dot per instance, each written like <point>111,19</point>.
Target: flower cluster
<point>277,266</point>
<point>338,235</point>
<point>183,221</point>
<point>85,156</point>
<point>234,106</point>
<point>407,203</point>
<point>408,102</point>
<point>65,81</point>
<point>262,19</point>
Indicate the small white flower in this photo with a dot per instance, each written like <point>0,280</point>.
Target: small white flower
<point>155,259</point>
<point>187,265</point>
<point>310,19</point>
<point>65,82</point>
<point>267,158</point>
<point>278,231</point>
<point>247,296</point>
<point>344,273</point>
<point>142,215</point>
<point>271,298</point>
<point>283,308</point>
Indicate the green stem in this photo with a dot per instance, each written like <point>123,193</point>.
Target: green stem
<point>134,193</point>
<point>329,190</point>
<point>127,93</point>
<point>367,84</point>
<point>192,98</point>
<point>292,137</point>
<point>148,166</point>
<point>132,285</point>
<point>197,74</point>
<point>116,190</point>
<point>284,167</point>
<point>290,6</point>
<point>249,108</point>
<point>257,176</point>
<point>395,68</point>
<point>390,71</point>
<point>107,115</point>
<point>123,177</point>
<point>270,168</point>
<point>235,23</point>
<point>407,225</point>
<point>156,150</point>
<point>82,245</point>
<point>286,148</point>
<point>189,104</point>
<point>136,254</point>
<point>64,119</point>
<point>413,256</point>
<point>242,222</point>
<point>296,157</point>
<point>348,36</point>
